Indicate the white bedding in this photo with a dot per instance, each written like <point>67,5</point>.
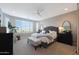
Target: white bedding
<point>37,38</point>
<point>38,35</point>
<point>36,41</point>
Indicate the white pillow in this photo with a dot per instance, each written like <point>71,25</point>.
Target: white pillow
<point>43,32</point>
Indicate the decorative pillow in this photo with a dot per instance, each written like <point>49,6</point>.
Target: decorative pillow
<point>53,34</point>
<point>52,31</point>
<point>39,31</point>
<point>43,32</point>
<point>47,31</point>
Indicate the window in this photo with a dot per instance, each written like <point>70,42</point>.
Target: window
<point>24,26</point>
<point>37,26</point>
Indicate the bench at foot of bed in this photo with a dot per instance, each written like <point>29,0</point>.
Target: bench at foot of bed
<point>44,45</point>
<point>39,46</point>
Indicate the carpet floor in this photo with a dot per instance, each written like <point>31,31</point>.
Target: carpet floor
<point>22,48</point>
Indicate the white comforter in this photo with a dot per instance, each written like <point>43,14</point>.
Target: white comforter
<point>37,38</point>
<point>38,35</point>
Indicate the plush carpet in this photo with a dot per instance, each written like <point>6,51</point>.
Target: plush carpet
<point>22,48</point>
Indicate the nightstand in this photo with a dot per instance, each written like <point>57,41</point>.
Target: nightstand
<point>65,37</point>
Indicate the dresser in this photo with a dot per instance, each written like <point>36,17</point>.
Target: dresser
<point>6,43</point>
<point>65,37</point>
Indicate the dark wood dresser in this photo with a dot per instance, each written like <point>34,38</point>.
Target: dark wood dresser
<point>65,37</point>
<point>6,42</point>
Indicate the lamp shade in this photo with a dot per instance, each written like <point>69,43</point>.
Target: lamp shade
<point>61,29</point>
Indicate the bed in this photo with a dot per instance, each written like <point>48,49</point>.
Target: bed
<point>44,38</point>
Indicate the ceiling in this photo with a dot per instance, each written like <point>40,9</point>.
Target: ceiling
<point>29,10</point>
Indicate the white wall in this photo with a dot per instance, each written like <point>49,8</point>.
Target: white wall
<point>2,18</point>
<point>78,36</point>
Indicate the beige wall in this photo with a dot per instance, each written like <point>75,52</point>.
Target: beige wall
<point>58,20</point>
<point>78,36</point>
<point>78,32</point>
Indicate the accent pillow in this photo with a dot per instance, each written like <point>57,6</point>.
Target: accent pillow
<point>53,34</point>
<point>46,31</point>
<point>39,31</point>
<point>43,32</point>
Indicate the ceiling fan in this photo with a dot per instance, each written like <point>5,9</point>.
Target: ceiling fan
<point>39,12</point>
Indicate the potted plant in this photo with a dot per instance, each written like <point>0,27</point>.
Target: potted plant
<point>12,28</point>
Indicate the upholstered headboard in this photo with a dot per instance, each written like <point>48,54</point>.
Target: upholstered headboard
<point>52,28</point>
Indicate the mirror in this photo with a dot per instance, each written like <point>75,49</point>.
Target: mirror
<point>66,25</point>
